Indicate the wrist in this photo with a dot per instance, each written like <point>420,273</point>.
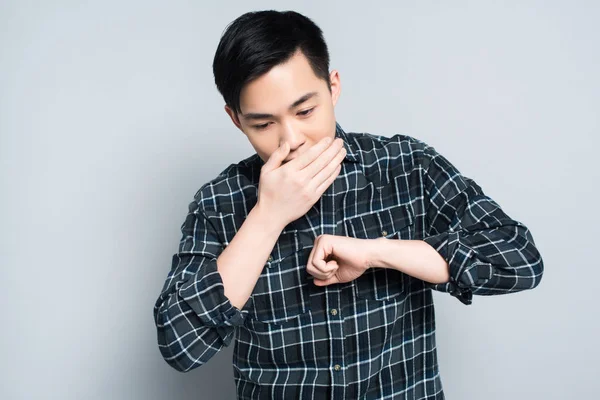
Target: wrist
<point>266,220</point>
<point>376,248</point>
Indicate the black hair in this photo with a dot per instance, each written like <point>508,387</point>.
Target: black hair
<point>257,41</point>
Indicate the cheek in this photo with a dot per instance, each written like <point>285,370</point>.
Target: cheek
<point>326,120</point>
<point>323,126</point>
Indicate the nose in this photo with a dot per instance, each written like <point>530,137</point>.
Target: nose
<point>293,136</point>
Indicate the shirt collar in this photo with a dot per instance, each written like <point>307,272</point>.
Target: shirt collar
<point>350,153</point>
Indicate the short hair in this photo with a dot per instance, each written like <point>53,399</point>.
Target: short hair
<point>257,41</point>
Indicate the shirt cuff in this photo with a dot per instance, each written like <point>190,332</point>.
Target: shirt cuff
<point>466,270</point>
<point>205,294</point>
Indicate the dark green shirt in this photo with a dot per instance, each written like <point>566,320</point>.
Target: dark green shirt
<point>370,338</point>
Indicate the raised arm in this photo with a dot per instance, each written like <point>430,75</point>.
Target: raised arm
<point>488,252</point>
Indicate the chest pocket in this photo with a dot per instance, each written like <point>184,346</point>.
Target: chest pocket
<point>282,291</point>
<point>395,222</point>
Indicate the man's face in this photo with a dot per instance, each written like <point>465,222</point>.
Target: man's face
<point>287,104</point>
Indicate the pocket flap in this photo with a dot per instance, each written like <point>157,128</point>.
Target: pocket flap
<point>382,223</point>
<point>287,245</point>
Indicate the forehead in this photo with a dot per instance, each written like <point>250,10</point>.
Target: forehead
<point>275,90</point>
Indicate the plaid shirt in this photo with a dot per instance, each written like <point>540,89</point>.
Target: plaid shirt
<point>371,338</point>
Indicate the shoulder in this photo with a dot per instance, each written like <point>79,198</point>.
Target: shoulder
<point>399,147</point>
<point>228,188</point>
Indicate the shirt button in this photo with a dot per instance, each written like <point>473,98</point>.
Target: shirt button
<point>270,258</point>
<point>333,311</point>
<point>384,233</point>
<point>337,367</point>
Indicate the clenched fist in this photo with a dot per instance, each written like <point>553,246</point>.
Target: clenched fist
<point>338,259</point>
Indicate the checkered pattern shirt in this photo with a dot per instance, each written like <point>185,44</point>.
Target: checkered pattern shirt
<point>372,338</point>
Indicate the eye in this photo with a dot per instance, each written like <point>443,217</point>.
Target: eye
<point>262,126</point>
<point>306,112</point>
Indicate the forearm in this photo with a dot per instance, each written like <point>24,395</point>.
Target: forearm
<point>242,261</point>
<point>412,257</point>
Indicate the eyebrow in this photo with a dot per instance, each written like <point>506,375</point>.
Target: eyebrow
<point>295,104</point>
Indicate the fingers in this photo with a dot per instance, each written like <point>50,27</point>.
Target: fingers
<point>326,175</point>
<point>317,265</point>
<point>320,189</point>
<point>323,270</point>
<point>305,159</point>
<point>276,158</point>
<point>334,154</point>
<point>329,281</point>
<point>326,268</point>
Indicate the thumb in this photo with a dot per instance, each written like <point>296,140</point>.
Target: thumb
<point>277,157</point>
<point>325,282</point>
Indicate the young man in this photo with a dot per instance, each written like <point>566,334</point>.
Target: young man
<point>319,256</point>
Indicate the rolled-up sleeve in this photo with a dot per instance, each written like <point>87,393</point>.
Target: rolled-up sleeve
<point>488,253</point>
<point>193,317</point>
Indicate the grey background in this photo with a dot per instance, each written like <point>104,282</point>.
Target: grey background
<point>110,122</point>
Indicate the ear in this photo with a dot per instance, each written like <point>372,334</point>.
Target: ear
<point>336,86</point>
<point>234,117</point>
